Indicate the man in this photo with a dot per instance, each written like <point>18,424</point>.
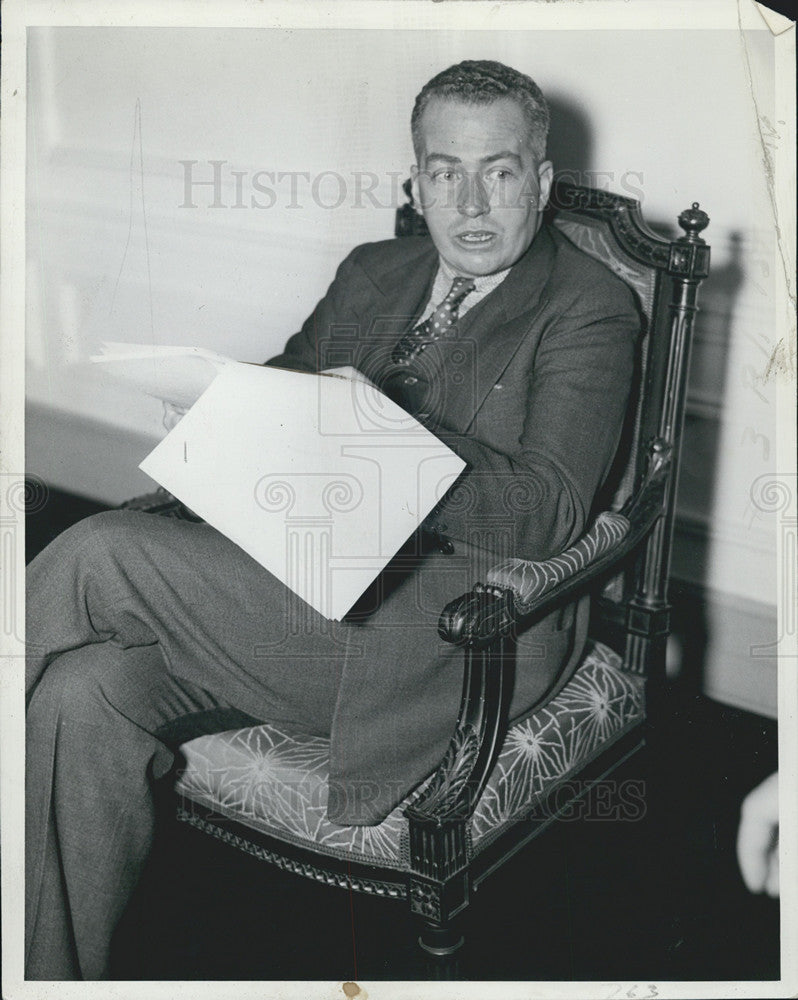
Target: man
<point>144,632</point>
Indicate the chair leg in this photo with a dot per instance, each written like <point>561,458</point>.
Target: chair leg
<point>440,939</point>
<point>440,945</point>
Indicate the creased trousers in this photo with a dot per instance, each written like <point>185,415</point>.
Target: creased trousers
<point>142,632</point>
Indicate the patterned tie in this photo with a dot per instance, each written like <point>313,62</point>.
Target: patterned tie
<point>439,323</point>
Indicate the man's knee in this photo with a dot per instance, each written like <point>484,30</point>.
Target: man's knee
<point>75,685</point>
<point>110,530</point>
<point>98,697</point>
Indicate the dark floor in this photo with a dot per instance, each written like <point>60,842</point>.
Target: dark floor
<point>655,899</point>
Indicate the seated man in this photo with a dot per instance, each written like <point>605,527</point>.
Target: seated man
<point>515,349</point>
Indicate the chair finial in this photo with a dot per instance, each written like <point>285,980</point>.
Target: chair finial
<point>692,221</point>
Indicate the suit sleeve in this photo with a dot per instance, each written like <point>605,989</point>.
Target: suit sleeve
<point>575,407</point>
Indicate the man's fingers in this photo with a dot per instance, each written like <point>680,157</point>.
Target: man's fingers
<point>754,839</point>
<point>757,835</point>
<point>172,415</point>
<point>772,884</point>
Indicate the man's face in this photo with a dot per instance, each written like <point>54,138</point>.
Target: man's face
<point>478,183</point>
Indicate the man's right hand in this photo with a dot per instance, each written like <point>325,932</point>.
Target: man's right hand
<point>172,415</point>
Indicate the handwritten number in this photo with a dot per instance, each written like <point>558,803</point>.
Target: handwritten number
<point>633,993</point>
<point>753,436</point>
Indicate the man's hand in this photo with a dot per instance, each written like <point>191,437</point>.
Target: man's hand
<point>172,415</point>
<point>758,837</point>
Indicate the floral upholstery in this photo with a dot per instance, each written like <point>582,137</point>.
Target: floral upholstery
<point>528,579</point>
<point>276,781</point>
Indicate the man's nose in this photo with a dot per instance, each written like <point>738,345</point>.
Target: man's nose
<point>472,198</point>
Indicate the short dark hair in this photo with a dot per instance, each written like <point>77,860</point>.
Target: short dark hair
<point>483,81</point>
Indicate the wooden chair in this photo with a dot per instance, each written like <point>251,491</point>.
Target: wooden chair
<point>499,788</point>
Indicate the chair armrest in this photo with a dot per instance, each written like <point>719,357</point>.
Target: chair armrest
<point>535,588</point>
<point>483,621</point>
<point>530,580</point>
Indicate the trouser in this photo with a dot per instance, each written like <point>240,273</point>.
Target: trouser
<point>141,633</point>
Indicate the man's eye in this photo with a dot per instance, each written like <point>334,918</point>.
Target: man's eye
<point>500,173</point>
<point>444,175</point>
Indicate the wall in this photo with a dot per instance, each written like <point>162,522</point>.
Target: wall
<point>115,250</point>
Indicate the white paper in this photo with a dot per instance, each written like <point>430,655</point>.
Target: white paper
<point>320,478</point>
<point>178,375</point>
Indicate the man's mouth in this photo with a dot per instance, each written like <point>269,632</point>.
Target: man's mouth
<point>478,238</point>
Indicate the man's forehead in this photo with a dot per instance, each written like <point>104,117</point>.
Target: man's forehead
<point>481,130</point>
<point>501,155</point>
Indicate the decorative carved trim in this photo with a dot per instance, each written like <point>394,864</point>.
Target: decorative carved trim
<point>635,237</point>
<point>370,887</point>
<point>441,797</point>
<point>477,619</point>
<point>425,901</point>
<point>623,216</point>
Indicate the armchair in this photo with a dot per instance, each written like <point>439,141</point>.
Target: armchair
<point>499,787</point>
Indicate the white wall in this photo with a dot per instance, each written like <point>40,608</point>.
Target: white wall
<point>113,253</point>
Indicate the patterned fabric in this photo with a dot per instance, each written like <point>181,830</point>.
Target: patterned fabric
<point>528,580</point>
<point>439,324</point>
<point>596,239</point>
<point>276,782</point>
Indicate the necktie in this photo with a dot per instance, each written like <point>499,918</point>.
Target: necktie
<point>437,325</point>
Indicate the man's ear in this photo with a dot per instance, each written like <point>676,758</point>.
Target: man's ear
<point>545,178</point>
<point>415,189</point>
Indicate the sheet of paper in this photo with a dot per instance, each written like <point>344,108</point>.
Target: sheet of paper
<point>178,375</point>
<point>321,478</point>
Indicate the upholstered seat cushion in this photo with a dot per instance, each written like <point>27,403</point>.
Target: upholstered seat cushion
<point>276,781</point>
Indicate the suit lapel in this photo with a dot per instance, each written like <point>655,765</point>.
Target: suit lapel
<point>498,325</point>
<point>493,330</point>
<point>406,286</point>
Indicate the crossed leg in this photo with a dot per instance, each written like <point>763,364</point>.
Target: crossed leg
<point>141,633</point>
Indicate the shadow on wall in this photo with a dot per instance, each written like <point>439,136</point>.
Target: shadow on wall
<point>697,482</point>
<point>571,151</point>
<point>570,146</point>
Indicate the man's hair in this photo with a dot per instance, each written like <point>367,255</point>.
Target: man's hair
<point>484,81</point>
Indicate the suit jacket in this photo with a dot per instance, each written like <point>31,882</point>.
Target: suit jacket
<point>532,394</point>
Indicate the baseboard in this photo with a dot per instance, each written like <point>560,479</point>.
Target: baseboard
<point>86,457</point>
<point>724,644</point>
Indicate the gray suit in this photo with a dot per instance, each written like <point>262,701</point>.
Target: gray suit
<point>143,632</point>
<point>532,394</point>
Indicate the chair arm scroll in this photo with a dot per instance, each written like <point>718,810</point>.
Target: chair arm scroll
<point>477,619</point>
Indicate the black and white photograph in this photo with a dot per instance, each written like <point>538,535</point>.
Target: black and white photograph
<point>399,516</point>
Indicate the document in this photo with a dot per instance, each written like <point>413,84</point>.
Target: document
<point>320,478</point>
<point>177,375</point>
